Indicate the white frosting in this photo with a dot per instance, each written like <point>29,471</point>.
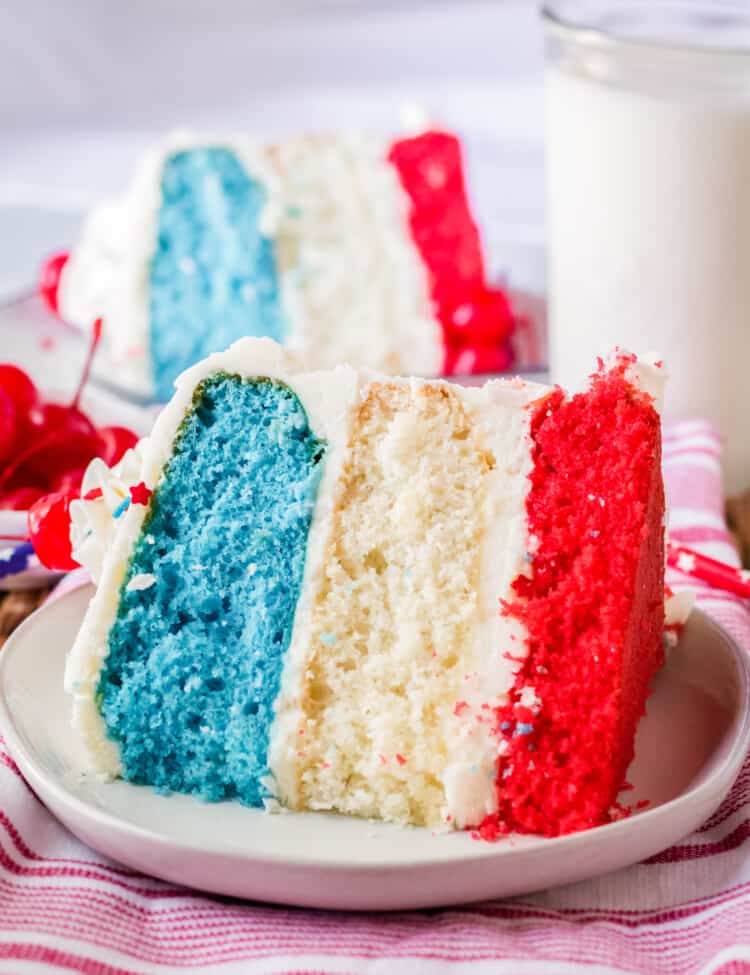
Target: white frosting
<point>470,781</point>
<point>282,748</point>
<point>353,285</point>
<point>677,608</point>
<point>648,374</point>
<point>93,524</point>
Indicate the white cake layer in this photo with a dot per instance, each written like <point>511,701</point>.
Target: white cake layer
<point>499,413</point>
<point>500,644</point>
<point>353,285</point>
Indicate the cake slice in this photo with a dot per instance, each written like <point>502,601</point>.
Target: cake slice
<point>345,248</point>
<point>391,598</point>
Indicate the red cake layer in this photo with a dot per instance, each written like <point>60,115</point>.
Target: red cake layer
<point>476,319</point>
<point>593,608</point>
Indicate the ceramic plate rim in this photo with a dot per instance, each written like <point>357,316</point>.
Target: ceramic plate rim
<point>44,783</point>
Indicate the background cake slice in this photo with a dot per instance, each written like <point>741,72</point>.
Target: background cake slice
<point>344,248</point>
<point>392,598</point>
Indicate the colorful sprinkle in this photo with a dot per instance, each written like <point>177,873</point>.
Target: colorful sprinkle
<point>140,493</point>
<point>121,508</point>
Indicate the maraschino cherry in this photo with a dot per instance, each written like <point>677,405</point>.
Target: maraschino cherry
<point>114,442</point>
<point>61,437</point>
<point>477,332</point>
<point>46,447</point>
<point>20,499</point>
<point>472,360</point>
<point>18,385</point>
<point>8,425</point>
<point>49,530</point>
<point>69,480</point>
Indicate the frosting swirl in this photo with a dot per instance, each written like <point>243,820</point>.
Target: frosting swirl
<point>105,495</point>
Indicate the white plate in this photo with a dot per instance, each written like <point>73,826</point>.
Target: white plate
<point>689,750</point>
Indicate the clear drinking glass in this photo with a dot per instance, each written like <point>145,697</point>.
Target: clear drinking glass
<point>648,185</point>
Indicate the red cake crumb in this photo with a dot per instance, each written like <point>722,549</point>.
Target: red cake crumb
<point>476,319</point>
<point>593,608</point>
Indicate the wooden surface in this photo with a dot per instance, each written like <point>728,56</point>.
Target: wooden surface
<point>15,607</point>
<point>738,519</point>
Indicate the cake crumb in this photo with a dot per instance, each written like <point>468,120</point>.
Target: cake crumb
<point>143,580</point>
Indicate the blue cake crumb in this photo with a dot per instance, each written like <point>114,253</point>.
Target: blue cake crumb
<point>213,276</point>
<point>194,661</point>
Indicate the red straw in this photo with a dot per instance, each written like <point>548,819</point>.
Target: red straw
<point>715,573</point>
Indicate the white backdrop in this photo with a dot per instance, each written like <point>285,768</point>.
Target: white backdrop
<point>86,84</point>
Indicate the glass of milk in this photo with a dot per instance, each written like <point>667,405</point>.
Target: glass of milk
<point>648,185</point>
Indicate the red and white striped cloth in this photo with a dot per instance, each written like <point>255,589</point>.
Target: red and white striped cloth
<point>687,910</point>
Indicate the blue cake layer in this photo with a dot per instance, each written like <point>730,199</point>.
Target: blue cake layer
<point>194,661</point>
<point>213,276</point>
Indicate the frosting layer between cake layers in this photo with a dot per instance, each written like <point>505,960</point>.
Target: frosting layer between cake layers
<point>380,597</point>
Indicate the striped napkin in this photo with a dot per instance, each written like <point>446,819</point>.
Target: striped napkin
<point>687,910</point>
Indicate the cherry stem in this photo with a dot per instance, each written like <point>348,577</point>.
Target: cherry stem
<point>96,334</point>
<point>21,458</point>
<point>44,441</point>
